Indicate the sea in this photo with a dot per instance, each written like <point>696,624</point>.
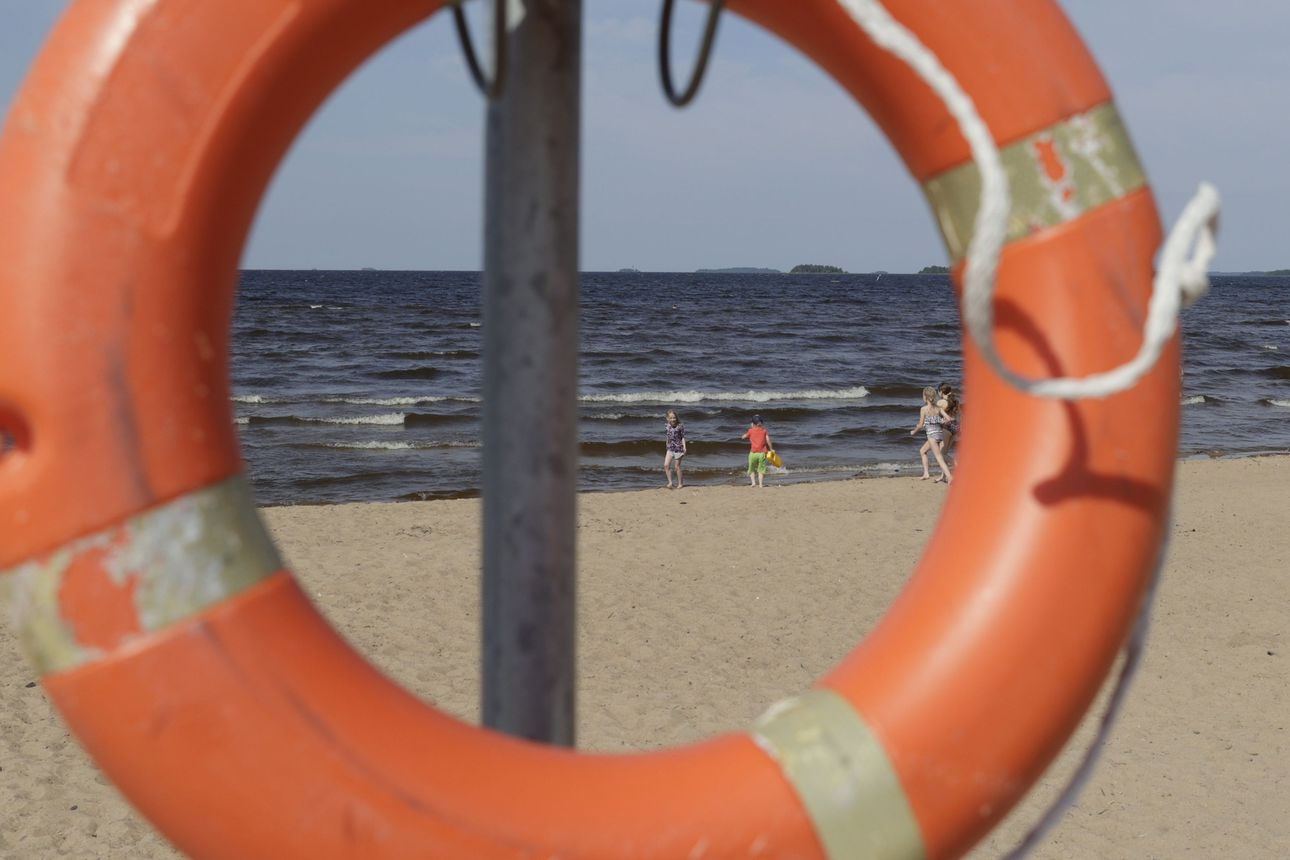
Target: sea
<point>365,385</point>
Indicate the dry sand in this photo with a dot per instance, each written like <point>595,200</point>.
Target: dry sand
<point>701,607</point>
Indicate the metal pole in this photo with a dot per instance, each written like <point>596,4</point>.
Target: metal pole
<point>530,321</point>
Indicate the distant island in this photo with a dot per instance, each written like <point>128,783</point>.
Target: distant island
<point>934,270</point>
<point>739,270</point>
<point>815,269</point>
<point>630,270</point>
<point>1275,273</point>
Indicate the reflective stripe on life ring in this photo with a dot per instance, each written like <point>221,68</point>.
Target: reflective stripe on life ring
<point>98,593</point>
<point>225,707</point>
<point>842,775</point>
<point>1055,176</point>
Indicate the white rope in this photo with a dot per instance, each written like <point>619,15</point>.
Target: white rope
<point>1179,281</point>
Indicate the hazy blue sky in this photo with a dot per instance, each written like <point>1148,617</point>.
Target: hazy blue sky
<point>773,166</point>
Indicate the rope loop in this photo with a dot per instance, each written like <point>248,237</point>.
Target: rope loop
<point>492,90</point>
<point>700,64</point>
<point>1179,281</point>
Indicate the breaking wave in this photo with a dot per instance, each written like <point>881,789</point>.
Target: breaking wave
<point>855,393</point>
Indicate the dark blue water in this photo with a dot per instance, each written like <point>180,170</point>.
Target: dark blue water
<point>353,386</point>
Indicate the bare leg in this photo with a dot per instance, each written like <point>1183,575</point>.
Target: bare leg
<point>945,469</point>
<point>667,468</point>
<point>922,454</point>
<point>676,464</point>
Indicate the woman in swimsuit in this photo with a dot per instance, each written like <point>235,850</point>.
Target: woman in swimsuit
<point>953,407</point>
<point>932,418</point>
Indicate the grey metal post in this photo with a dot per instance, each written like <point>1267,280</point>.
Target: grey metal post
<point>530,321</point>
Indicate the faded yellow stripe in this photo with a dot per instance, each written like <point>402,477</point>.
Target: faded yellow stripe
<point>843,777</point>
<point>1055,175</point>
<point>183,557</point>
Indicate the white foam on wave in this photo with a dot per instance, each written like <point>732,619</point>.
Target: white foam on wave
<point>855,393</point>
<point>384,401</point>
<point>241,419</point>
<point>259,400</point>
<point>1271,347</point>
<point>391,418</point>
<point>400,446</point>
<point>1284,404</point>
<point>374,446</point>
<point>1193,400</point>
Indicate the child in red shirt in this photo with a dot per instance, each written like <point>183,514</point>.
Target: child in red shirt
<point>759,438</point>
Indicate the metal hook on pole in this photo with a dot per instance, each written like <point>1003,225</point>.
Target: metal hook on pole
<point>700,64</point>
<point>491,89</point>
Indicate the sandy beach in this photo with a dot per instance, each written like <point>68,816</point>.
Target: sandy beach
<point>699,608</point>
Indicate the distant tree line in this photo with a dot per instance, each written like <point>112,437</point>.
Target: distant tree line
<point>815,269</point>
<point>934,270</point>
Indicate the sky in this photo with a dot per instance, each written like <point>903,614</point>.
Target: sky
<point>772,166</point>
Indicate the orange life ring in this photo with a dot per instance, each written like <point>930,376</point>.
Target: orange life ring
<point>212,692</point>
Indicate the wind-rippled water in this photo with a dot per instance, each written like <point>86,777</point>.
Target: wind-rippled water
<point>358,386</point>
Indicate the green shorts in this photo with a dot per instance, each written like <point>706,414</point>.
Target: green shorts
<point>757,462</point>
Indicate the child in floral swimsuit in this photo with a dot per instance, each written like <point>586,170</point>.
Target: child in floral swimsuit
<point>675,449</point>
<point>932,418</point>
